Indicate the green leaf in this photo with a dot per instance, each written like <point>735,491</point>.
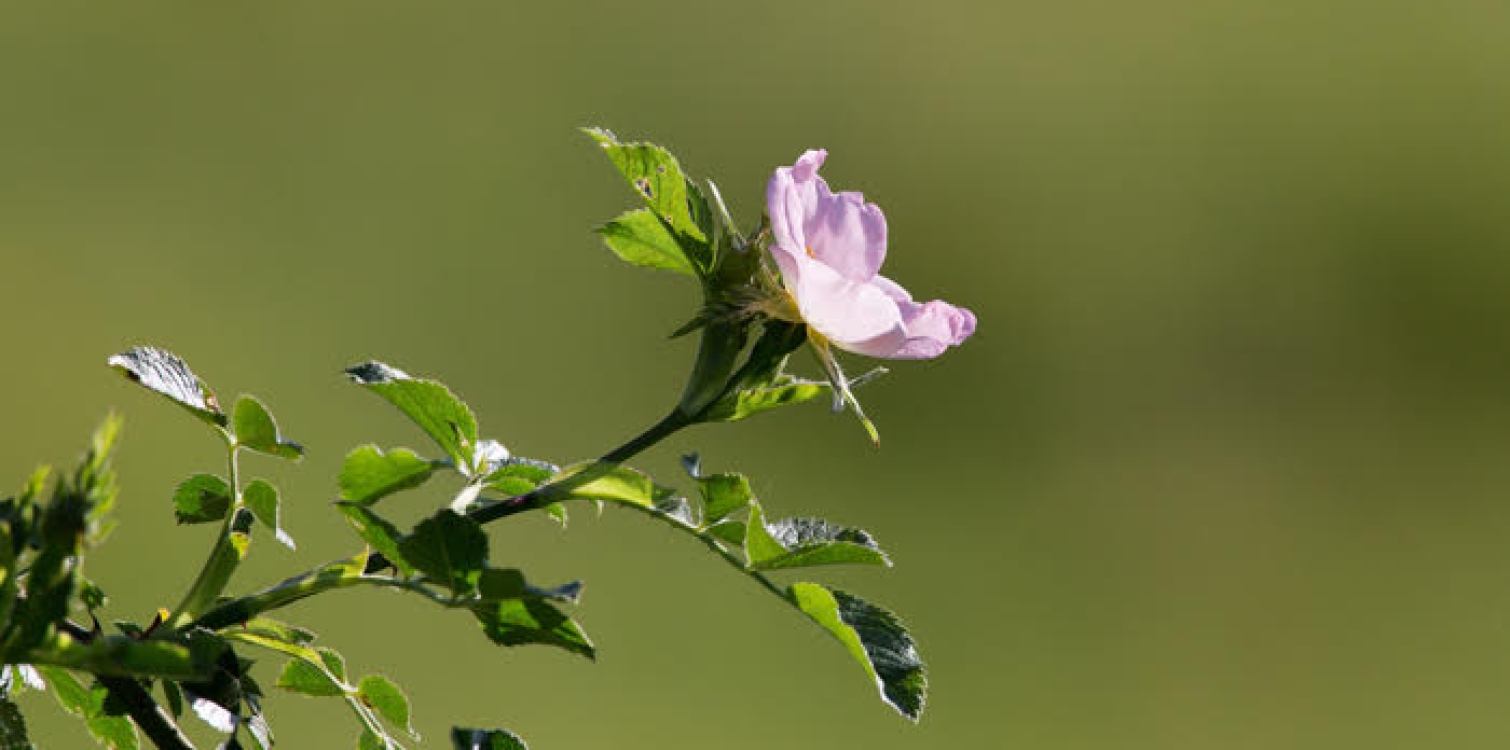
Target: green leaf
<point>262,499</point>
<point>378,533</point>
<point>387,699</point>
<point>658,178</point>
<point>164,372</point>
<point>255,429</point>
<point>277,630</point>
<point>516,476</point>
<point>760,546</point>
<point>732,532</point>
<point>323,679</point>
<point>641,238</point>
<point>749,402</point>
<point>429,404</point>
<point>613,483</point>
<point>485,739</point>
<point>723,494</point>
<point>805,542</point>
<point>69,692</point>
<point>369,474</point>
<point>114,732</point>
<point>202,498</point>
<point>875,638</point>
<point>531,620</point>
<point>88,703</point>
<point>13,727</point>
<point>449,548</point>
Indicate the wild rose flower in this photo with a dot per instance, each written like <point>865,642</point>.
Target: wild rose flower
<point>829,248</point>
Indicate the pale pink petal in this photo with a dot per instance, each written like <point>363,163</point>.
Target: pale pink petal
<point>892,289</point>
<point>932,327</point>
<point>790,199</point>
<point>856,317</point>
<point>846,233</point>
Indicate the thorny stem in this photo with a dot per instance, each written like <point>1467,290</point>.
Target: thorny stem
<point>154,720</point>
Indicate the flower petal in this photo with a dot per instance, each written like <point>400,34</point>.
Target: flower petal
<point>846,233</point>
<point>855,316</point>
<point>790,196</point>
<point>932,327</point>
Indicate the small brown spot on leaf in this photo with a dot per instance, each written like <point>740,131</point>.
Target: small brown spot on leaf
<point>644,187</point>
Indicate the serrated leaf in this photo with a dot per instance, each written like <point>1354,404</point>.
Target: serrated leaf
<point>875,638</point>
<point>516,476</point>
<point>306,678</point>
<point>202,498</point>
<point>262,499</point>
<point>430,405</point>
<point>485,739</point>
<point>658,178</point>
<point>449,548</point>
<point>387,700</point>
<point>531,620</point>
<point>723,494</point>
<point>368,474</point>
<point>597,481</point>
<point>378,533</point>
<point>254,429</point>
<point>165,373</point>
<point>805,542</point>
<point>640,237</point>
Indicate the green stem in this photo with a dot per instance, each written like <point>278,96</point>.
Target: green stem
<point>657,432</point>
<point>303,586</point>
<point>154,720</point>
<point>225,556</point>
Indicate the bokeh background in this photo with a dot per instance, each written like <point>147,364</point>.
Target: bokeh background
<point>1227,465</point>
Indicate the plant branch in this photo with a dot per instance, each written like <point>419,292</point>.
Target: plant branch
<point>151,718</point>
<point>224,557</point>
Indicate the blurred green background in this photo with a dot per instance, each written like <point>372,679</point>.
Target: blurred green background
<point>1227,465</point>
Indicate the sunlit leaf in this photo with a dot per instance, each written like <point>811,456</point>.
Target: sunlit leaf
<point>202,498</point>
<point>164,372</point>
<point>387,700</point>
<point>381,535</point>
<point>641,238</point>
<point>429,404</point>
<point>658,179</point>
<point>723,494</point>
<point>875,638</point>
<point>805,542</point>
<point>368,474</point>
<point>255,429</point>
<point>262,499</point>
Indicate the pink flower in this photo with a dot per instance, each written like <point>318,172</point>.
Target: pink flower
<point>829,248</point>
